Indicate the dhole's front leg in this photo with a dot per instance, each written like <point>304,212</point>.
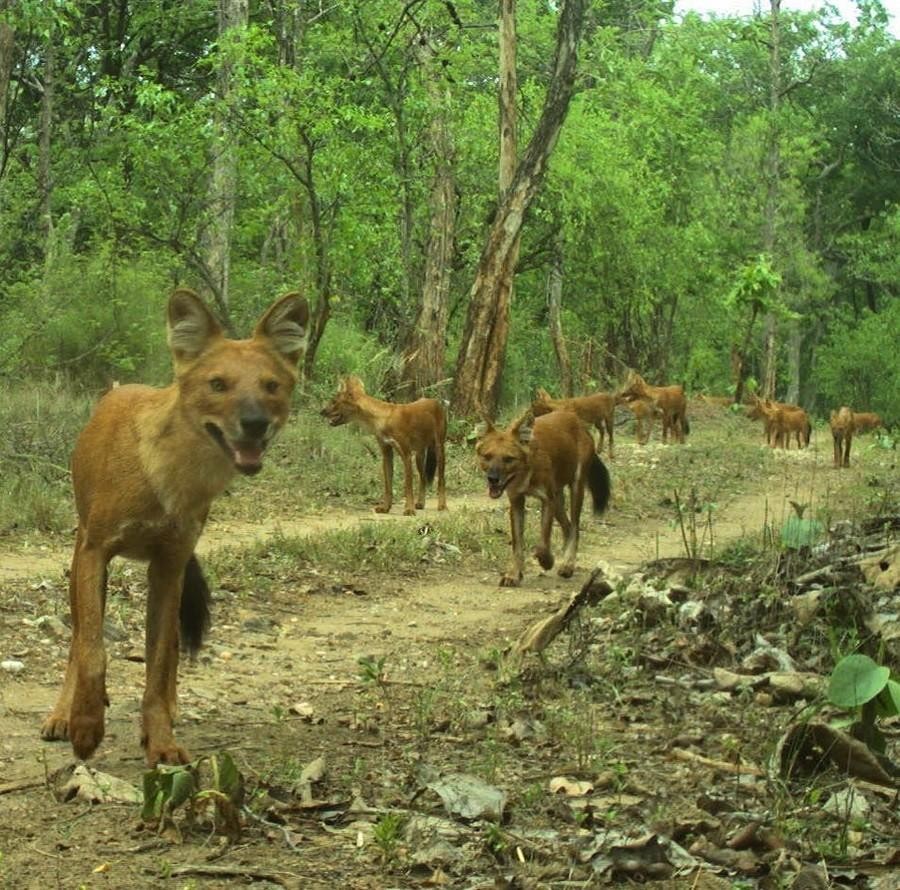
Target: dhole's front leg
<point>387,478</point>
<point>79,712</point>
<point>423,484</point>
<point>513,576</point>
<point>166,579</point>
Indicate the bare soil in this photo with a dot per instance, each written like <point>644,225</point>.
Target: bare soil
<point>280,684</point>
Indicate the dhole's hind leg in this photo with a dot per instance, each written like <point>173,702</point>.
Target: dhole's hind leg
<point>567,567</point>
<point>410,508</point>
<point>440,454</point>
<point>387,478</point>
<point>166,579</point>
<point>79,712</point>
<point>423,482</point>
<point>542,553</point>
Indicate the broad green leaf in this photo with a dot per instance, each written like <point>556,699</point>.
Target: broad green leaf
<point>855,680</point>
<point>797,532</point>
<point>888,703</point>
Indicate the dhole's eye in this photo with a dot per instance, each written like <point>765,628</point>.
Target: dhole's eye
<point>271,386</point>
<point>217,384</point>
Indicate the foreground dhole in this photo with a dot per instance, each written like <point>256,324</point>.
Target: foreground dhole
<point>541,457</point>
<point>145,470</point>
<point>416,430</point>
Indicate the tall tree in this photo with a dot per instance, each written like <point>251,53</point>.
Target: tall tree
<point>233,18</point>
<point>482,351</point>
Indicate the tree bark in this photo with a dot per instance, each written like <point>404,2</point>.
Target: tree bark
<point>45,169</point>
<point>483,345</point>
<point>424,358</point>
<point>233,16</point>
<point>7,55</point>
<point>554,313</point>
<point>795,341</point>
<point>773,177</point>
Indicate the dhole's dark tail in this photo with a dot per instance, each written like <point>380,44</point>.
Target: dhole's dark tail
<point>598,482</point>
<point>194,613</point>
<point>687,426</point>
<point>430,463</point>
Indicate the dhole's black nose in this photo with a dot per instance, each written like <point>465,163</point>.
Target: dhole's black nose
<point>493,476</point>
<point>254,426</point>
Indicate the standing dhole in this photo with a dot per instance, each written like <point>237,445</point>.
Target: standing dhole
<point>415,429</point>
<point>145,470</point>
<point>843,425</point>
<point>540,457</point>
<point>597,409</point>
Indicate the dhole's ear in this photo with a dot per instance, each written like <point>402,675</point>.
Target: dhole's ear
<point>354,385</point>
<point>190,326</point>
<point>523,428</point>
<point>286,324</point>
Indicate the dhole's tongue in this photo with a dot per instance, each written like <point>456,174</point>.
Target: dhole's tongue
<point>494,491</point>
<point>247,457</point>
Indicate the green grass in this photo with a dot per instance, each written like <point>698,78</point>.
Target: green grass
<point>40,423</point>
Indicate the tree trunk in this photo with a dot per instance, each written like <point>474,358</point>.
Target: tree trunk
<point>7,55</point>
<point>773,177</point>
<point>424,359</point>
<point>554,313</point>
<point>45,170</point>
<point>795,341</point>
<point>487,323</point>
<point>233,16</point>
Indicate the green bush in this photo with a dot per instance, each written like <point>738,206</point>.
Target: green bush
<point>857,365</point>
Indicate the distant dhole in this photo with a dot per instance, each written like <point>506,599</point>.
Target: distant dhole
<point>541,457</point>
<point>842,428</point>
<point>669,400</point>
<point>597,409</point>
<point>415,430</point>
<point>145,470</point>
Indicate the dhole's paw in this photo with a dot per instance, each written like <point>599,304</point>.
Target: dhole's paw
<point>510,581</point>
<point>565,571</point>
<point>55,728</point>
<point>165,751</point>
<point>544,558</point>
<point>380,508</point>
<point>85,733</point>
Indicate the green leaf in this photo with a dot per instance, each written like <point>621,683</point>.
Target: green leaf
<point>888,702</point>
<point>797,532</point>
<point>855,680</point>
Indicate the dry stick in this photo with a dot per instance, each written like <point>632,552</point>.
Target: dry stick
<point>744,769</point>
<point>227,871</point>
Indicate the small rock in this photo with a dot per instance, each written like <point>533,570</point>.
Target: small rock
<point>12,666</point>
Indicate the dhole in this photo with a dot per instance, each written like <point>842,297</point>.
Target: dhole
<point>597,409</point>
<point>644,412</point>
<point>145,470</point>
<point>416,430</point>
<point>780,421</point>
<point>865,421</point>
<point>842,428</point>
<point>669,400</point>
<point>540,457</point>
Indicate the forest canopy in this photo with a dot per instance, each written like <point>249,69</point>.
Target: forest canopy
<point>722,191</point>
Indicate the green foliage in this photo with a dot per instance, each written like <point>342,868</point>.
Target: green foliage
<point>861,686</point>
<point>855,365</point>
<point>798,533</point>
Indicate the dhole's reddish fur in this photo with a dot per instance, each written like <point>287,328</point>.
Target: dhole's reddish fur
<point>780,422</point>
<point>669,400</point>
<point>863,421</point>
<point>541,457</point>
<point>417,430</point>
<point>145,470</point>
<point>644,412</point>
<point>842,425</point>
<point>597,410</point>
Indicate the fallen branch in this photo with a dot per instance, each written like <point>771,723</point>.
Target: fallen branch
<point>737,769</point>
<point>538,637</point>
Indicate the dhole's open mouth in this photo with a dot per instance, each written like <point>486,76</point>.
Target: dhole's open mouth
<point>496,487</point>
<point>246,454</point>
